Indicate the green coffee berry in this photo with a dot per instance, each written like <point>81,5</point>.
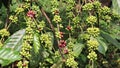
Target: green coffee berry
<point>58,34</point>
<point>4,32</point>
<point>105,10</point>
<point>88,6</point>
<point>46,39</point>
<point>92,45</point>
<point>41,25</point>
<point>91,20</point>
<point>92,56</point>
<point>57,19</point>
<point>76,20</point>
<point>19,64</point>
<point>85,36</point>
<point>1,44</point>
<point>13,19</point>
<point>93,31</point>
<point>25,50</point>
<point>97,4</point>
<point>71,62</point>
<point>70,45</point>
<point>55,11</point>
<point>54,3</point>
<point>70,14</point>
<point>19,10</point>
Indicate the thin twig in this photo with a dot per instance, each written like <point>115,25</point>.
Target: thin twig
<point>8,14</point>
<point>48,19</point>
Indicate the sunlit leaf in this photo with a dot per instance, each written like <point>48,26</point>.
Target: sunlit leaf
<point>78,47</point>
<point>116,6</point>
<point>102,46</point>
<point>10,52</point>
<point>110,39</point>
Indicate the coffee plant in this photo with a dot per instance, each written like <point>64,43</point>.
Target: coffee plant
<point>59,34</point>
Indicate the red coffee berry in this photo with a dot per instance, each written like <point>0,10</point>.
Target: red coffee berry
<point>62,44</point>
<point>61,34</point>
<point>68,27</point>
<point>31,13</point>
<point>24,65</point>
<point>65,51</point>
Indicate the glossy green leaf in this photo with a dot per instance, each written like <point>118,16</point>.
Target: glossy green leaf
<point>46,4</point>
<point>52,39</point>
<point>8,56</point>
<point>102,46</point>
<point>36,52</point>
<point>78,47</point>
<point>10,52</point>
<point>116,6</point>
<point>36,43</point>
<point>14,42</point>
<point>57,65</point>
<point>110,39</point>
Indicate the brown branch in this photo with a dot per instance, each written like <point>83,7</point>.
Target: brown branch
<point>52,27</point>
<point>8,14</point>
<point>48,19</point>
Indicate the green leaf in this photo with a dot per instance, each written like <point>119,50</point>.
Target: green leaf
<point>57,65</point>
<point>14,42</point>
<point>46,4</point>
<point>36,52</point>
<point>77,49</point>
<point>83,58</point>
<point>8,56</point>
<point>102,46</point>
<point>110,39</point>
<point>52,39</point>
<point>36,43</point>
<point>10,52</point>
<point>116,6</point>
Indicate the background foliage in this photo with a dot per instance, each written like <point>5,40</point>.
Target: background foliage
<point>59,33</point>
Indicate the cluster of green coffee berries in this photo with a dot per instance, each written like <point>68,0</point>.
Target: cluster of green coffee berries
<point>70,14</point>
<point>71,62</point>
<point>30,23</point>
<point>35,8</point>
<point>59,34</point>
<point>70,5</point>
<point>4,32</point>
<point>107,18</point>
<point>88,6</point>
<point>41,25</point>
<point>57,19</point>
<point>23,64</point>
<point>55,11</point>
<point>76,20</point>
<point>104,10</point>
<point>92,56</point>
<point>13,19</point>
<point>92,45</point>
<point>26,5</point>
<point>93,5</point>
<point>46,39</point>
<point>93,31</point>
<point>54,3</point>
<point>1,44</point>
<point>97,4</point>
<point>19,10</point>
<point>25,50</point>
<point>85,36</point>
<point>29,34</point>
<point>57,55</point>
<point>70,45</point>
<point>91,20</point>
